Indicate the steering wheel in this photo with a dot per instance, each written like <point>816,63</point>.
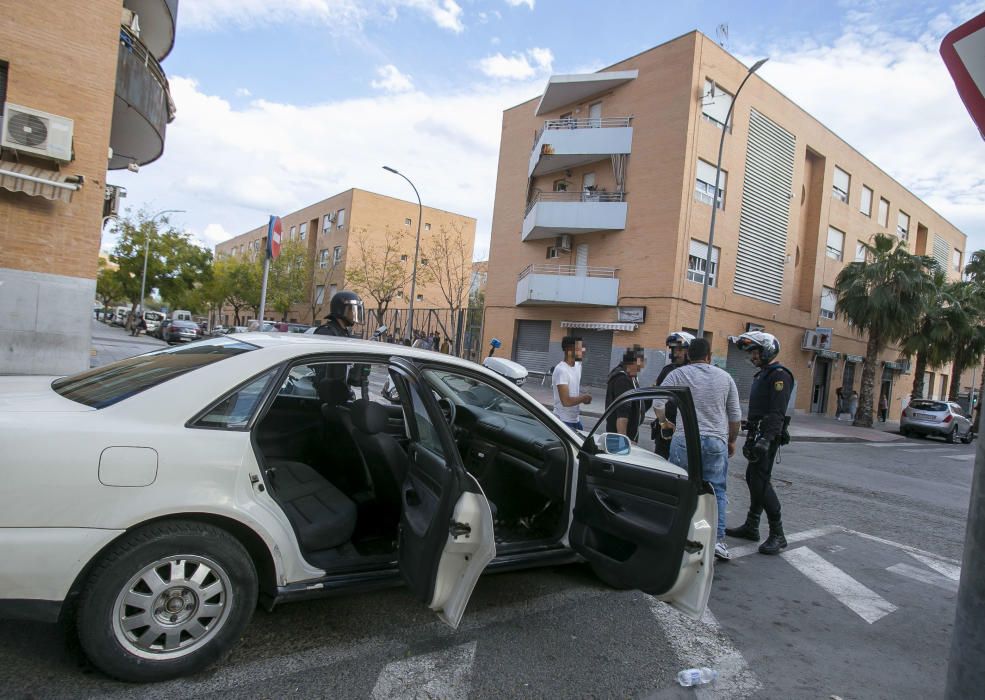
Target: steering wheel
<point>447,407</point>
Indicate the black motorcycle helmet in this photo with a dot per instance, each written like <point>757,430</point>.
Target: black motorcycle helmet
<point>347,307</point>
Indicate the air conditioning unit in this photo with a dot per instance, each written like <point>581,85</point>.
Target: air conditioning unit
<point>812,340</point>
<point>37,133</point>
<point>331,216</point>
<point>111,199</point>
<point>564,243</point>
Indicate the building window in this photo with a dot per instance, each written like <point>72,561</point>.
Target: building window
<point>4,68</point>
<point>829,299</point>
<point>560,185</point>
<point>303,231</point>
<point>836,243</point>
<point>326,223</point>
<point>883,212</point>
<point>337,254</point>
<point>865,203</point>
<point>340,219</point>
<point>553,253</point>
<point>290,236</point>
<point>403,258</point>
<point>400,294</point>
<point>697,259</point>
<point>861,254</point>
<point>320,294</point>
<point>841,184</point>
<point>715,103</point>
<point>406,222</point>
<point>420,297</point>
<point>427,227</point>
<point>704,184</point>
<point>323,258</point>
<point>903,225</point>
<point>956,260</point>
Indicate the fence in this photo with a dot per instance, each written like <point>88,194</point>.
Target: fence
<point>462,327</point>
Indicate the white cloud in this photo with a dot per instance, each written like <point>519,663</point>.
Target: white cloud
<point>517,3</point>
<point>392,80</point>
<point>893,100</point>
<point>341,14</point>
<point>230,165</point>
<point>520,66</point>
<point>243,92</point>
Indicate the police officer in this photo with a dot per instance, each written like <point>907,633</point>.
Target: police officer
<point>769,402</point>
<point>345,310</point>
<point>677,343</point>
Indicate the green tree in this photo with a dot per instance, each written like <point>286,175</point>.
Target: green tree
<point>883,297</point>
<point>108,288</point>
<point>375,268</point>
<point>449,268</point>
<point>239,283</point>
<point>288,278</point>
<point>967,341</point>
<point>975,273</point>
<point>929,342</point>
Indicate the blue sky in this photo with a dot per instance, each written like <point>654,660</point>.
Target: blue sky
<point>280,104</point>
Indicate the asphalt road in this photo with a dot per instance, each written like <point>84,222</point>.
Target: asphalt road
<point>859,606</point>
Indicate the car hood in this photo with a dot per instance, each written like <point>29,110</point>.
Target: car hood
<point>34,395</point>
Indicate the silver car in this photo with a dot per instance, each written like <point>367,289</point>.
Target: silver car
<point>941,418</point>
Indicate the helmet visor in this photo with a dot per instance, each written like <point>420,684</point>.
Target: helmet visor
<point>354,312</point>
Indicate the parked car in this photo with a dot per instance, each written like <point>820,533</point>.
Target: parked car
<point>940,418</point>
<point>153,320</point>
<point>181,332</point>
<point>161,328</point>
<point>195,481</point>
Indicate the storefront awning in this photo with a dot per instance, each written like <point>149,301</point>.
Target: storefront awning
<point>36,182</point>
<point>600,326</point>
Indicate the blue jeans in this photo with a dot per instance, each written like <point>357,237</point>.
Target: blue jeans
<point>574,426</point>
<point>714,460</point>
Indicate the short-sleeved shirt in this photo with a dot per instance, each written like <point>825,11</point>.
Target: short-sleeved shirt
<point>715,396</point>
<point>565,374</point>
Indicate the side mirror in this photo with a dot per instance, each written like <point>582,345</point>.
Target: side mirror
<point>613,443</point>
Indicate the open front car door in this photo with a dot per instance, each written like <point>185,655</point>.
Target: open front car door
<point>642,522</point>
<point>446,527</point>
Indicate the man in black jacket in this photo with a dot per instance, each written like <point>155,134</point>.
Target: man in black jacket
<point>345,311</point>
<point>662,428</point>
<point>627,418</point>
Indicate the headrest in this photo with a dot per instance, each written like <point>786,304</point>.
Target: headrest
<point>368,417</point>
<point>333,391</point>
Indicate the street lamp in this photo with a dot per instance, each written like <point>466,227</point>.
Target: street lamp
<point>714,203</point>
<point>143,279</point>
<point>417,245</point>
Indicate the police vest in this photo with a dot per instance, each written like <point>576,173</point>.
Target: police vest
<point>793,389</point>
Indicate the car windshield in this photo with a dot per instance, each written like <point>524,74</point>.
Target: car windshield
<point>183,324</point>
<point>104,386</point>
<point>925,405</point>
<point>153,316</point>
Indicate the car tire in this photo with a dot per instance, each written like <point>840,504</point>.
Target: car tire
<point>200,618</point>
<point>951,437</point>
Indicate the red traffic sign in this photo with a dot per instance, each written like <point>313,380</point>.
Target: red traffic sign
<point>963,51</point>
<point>274,234</point>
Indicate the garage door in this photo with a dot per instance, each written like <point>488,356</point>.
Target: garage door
<point>598,357</point>
<point>742,370</point>
<point>532,345</point>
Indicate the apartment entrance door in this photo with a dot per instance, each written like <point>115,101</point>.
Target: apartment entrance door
<point>581,259</point>
<point>595,114</point>
<point>819,394</point>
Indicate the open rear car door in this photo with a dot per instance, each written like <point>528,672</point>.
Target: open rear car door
<point>642,522</point>
<point>446,528</point>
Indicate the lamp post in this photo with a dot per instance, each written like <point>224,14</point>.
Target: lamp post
<point>714,203</point>
<point>143,279</point>
<point>417,244</point>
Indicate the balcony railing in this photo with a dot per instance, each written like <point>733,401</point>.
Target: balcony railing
<point>589,123</point>
<point>567,271</point>
<point>578,196</point>
<point>136,48</point>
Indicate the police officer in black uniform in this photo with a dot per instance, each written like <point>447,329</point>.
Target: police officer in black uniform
<point>345,311</point>
<point>767,424</point>
<point>677,344</point>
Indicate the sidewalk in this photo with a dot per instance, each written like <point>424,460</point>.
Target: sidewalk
<point>804,427</point>
<point>112,343</point>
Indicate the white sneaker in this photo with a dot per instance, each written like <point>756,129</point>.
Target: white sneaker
<point>721,552</point>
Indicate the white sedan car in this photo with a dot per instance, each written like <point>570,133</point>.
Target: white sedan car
<point>167,494</point>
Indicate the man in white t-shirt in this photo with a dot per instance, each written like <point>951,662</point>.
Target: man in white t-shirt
<point>567,384</point>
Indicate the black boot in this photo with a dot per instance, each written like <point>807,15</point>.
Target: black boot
<point>776,541</point>
<point>749,530</point>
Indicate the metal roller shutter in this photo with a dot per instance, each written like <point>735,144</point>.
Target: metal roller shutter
<point>531,348</point>
<point>598,358</point>
<point>742,370</point>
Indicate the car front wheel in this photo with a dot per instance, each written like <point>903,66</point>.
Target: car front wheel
<point>168,600</point>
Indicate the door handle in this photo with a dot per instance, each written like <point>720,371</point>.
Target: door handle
<point>411,498</point>
<point>607,468</point>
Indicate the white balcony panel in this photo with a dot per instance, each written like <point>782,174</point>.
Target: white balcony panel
<point>547,219</point>
<point>564,90</point>
<point>558,149</point>
<point>545,289</point>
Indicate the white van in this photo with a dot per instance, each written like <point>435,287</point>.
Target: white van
<point>153,320</point>
<point>181,315</point>
<point>120,315</point>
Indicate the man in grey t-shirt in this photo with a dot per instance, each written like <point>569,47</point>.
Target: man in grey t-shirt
<point>716,403</point>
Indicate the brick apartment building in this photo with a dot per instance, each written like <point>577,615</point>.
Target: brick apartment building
<point>603,204</point>
<point>81,90</point>
<point>334,228</point>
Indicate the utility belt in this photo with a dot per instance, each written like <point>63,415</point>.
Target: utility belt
<point>756,426</point>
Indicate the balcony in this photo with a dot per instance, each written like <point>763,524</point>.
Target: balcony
<point>157,24</point>
<point>562,144</point>
<point>564,90</point>
<point>550,214</point>
<point>142,108</point>
<point>544,285</point>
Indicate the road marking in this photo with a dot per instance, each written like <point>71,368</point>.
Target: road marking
<point>904,547</point>
<point>445,674</point>
<point>747,549</point>
<point>861,600</point>
<point>705,643</point>
<point>951,571</point>
<point>963,458</point>
<point>924,576</point>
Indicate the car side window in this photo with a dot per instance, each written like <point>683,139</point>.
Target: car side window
<point>425,432</point>
<point>234,411</point>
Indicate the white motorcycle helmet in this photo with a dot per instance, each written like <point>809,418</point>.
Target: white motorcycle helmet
<point>768,345</point>
<point>679,339</point>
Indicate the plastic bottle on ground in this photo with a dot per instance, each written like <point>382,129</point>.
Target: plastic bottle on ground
<point>696,676</point>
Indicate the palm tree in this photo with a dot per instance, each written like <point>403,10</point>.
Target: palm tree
<point>884,297</point>
<point>929,341</point>
<point>967,332</point>
<point>975,273</point>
